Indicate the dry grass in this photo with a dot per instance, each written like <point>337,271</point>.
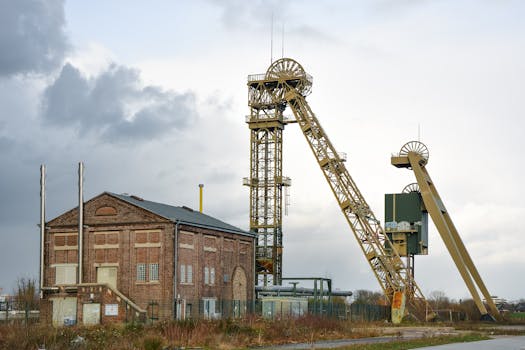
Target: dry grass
<point>220,334</point>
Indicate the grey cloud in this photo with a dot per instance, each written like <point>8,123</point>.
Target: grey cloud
<point>243,13</point>
<point>5,143</point>
<point>32,37</point>
<point>114,105</point>
<point>258,14</point>
<point>311,32</point>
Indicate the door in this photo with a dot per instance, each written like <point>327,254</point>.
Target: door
<point>107,275</point>
<point>209,308</point>
<point>240,292</point>
<point>91,314</point>
<point>64,311</point>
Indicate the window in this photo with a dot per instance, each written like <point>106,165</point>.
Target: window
<point>209,276</point>
<point>182,273</point>
<point>107,275</point>
<point>209,308</point>
<point>141,272</point>
<point>186,274</point>
<point>66,274</point>
<point>189,278</point>
<point>154,272</point>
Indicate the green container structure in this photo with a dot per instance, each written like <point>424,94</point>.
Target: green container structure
<point>406,223</point>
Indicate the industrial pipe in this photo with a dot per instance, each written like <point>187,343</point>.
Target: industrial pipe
<point>200,197</point>
<point>276,290</point>
<point>80,219</point>
<point>42,223</point>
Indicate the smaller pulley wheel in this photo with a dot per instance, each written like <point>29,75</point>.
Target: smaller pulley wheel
<point>413,187</point>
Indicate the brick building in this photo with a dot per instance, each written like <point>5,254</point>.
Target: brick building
<point>144,260</point>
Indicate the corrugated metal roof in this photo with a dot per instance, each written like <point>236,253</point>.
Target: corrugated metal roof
<point>182,214</point>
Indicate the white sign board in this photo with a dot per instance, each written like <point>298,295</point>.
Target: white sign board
<point>111,310</point>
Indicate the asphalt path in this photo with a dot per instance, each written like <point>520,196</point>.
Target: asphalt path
<point>330,344</point>
<point>503,343</point>
<point>409,333</point>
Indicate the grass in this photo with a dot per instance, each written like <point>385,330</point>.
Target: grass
<point>217,334</point>
<point>519,316</point>
<point>417,343</point>
<point>504,328</point>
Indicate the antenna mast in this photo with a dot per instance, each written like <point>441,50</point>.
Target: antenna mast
<point>282,41</point>
<point>271,41</point>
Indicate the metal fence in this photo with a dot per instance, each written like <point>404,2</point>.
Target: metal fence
<point>276,308</point>
<point>209,308</point>
<point>13,311</point>
<point>368,312</point>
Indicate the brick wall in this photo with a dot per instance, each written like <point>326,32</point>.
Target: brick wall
<point>224,252</point>
<point>120,236</point>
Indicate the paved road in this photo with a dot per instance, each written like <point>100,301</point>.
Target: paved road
<point>389,334</point>
<point>504,343</point>
<point>329,344</point>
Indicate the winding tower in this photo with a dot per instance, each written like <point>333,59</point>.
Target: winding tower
<point>266,181</point>
<point>286,83</point>
<point>414,155</point>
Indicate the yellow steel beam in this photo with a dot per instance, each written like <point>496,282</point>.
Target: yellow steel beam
<point>286,84</point>
<point>449,233</point>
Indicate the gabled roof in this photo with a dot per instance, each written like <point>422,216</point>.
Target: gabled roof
<point>183,215</point>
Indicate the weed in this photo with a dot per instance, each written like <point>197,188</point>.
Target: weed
<point>152,343</point>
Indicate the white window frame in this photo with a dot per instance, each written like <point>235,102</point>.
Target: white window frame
<point>154,272</point>
<point>141,272</point>
<point>209,307</point>
<point>186,274</point>
<point>209,276</point>
<point>182,273</point>
<point>68,274</point>
<point>206,275</point>
<point>189,276</point>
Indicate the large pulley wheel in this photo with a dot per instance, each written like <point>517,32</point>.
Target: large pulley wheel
<point>291,72</point>
<point>415,147</point>
<point>285,68</point>
<point>413,187</point>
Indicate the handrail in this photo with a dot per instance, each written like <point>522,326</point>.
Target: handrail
<point>117,292</point>
<point>262,76</point>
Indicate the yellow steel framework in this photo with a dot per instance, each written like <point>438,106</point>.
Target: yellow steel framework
<point>414,155</point>
<point>286,84</point>
<point>266,182</point>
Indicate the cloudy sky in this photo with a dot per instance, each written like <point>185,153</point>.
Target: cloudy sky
<point>152,97</point>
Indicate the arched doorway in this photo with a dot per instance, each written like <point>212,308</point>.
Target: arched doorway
<point>240,292</point>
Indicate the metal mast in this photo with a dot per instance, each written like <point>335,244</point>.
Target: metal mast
<point>286,83</point>
<point>414,155</point>
<point>266,123</point>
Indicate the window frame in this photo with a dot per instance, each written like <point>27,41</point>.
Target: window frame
<point>71,268</point>
<point>153,271</point>
<point>141,272</point>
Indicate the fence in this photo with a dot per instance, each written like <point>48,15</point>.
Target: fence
<point>368,312</point>
<point>13,311</point>
<point>271,308</point>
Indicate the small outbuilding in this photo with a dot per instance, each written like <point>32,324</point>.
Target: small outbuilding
<point>143,260</point>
